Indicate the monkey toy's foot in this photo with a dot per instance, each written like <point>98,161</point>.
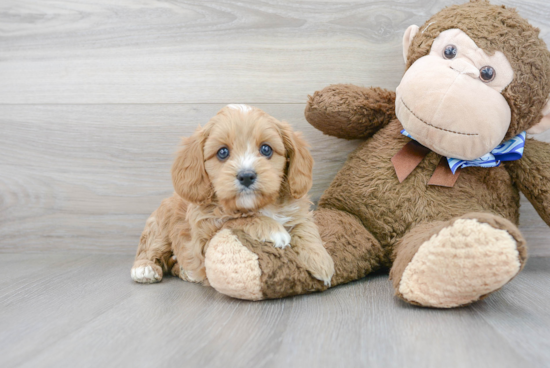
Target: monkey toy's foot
<point>241,267</point>
<point>231,268</point>
<point>454,263</point>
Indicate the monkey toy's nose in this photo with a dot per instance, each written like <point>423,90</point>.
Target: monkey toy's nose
<point>464,67</point>
<point>246,178</point>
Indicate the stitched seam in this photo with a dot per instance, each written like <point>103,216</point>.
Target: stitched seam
<point>433,126</point>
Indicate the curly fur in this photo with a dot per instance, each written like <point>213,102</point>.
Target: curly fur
<point>208,197</point>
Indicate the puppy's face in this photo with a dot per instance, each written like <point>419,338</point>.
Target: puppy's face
<point>245,159</point>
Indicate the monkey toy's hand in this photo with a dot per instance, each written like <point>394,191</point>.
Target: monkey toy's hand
<point>532,176</point>
<point>350,112</point>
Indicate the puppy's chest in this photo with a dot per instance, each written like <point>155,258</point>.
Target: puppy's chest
<point>286,215</point>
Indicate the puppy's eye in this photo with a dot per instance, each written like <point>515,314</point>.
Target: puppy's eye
<point>266,150</point>
<point>487,74</point>
<point>450,52</point>
<point>223,153</point>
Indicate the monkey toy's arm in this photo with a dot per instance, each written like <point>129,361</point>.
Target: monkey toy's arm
<point>532,176</point>
<point>350,112</point>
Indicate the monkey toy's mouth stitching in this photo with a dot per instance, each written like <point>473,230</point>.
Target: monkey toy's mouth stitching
<point>433,126</point>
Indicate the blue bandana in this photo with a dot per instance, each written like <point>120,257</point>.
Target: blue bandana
<point>510,150</point>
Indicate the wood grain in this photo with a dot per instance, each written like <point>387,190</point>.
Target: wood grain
<point>85,311</point>
<point>95,94</point>
<point>103,51</point>
<point>522,311</point>
<point>86,177</point>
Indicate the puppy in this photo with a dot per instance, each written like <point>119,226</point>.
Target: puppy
<point>243,170</point>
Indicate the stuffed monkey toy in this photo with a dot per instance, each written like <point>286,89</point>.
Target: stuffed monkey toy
<point>433,191</point>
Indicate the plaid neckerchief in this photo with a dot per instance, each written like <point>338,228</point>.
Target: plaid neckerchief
<point>511,150</point>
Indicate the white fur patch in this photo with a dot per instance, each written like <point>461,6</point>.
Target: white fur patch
<point>281,219</point>
<point>280,214</point>
<point>247,161</point>
<point>145,275</point>
<point>280,239</point>
<point>240,107</point>
<point>246,200</point>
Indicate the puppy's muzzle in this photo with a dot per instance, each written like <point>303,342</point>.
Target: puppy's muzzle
<point>246,178</point>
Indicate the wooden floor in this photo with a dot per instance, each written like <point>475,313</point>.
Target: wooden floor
<point>62,310</point>
<point>94,97</point>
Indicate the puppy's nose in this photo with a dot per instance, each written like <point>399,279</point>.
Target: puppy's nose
<point>246,178</point>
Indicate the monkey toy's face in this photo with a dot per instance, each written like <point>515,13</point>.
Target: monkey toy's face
<point>450,100</point>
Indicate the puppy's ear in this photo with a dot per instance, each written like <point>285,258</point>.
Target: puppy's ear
<point>189,175</point>
<point>300,167</point>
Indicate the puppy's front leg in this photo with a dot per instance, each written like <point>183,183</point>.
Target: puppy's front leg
<point>308,245</point>
<point>264,229</point>
<point>154,254</point>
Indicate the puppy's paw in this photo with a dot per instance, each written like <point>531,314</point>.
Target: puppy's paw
<point>146,273</point>
<point>319,264</point>
<point>280,239</point>
<point>188,276</point>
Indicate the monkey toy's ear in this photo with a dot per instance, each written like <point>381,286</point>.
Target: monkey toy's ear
<point>407,39</point>
<point>544,123</point>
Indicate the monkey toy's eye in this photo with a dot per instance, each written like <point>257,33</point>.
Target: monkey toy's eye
<point>223,153</point>
<point>266,151</point>
<point>487,74</point>
<point>450,52</point>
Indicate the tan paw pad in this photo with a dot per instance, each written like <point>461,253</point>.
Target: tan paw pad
<point>460,264</point>
<point>232,269</point>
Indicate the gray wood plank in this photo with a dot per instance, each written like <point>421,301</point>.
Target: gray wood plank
<point>49,304</point>
<point>62,51</point>
<point>89,313</point>
<point>17,275</point>
<point>521,314</point>
<point>535,230</point>
<point>365,325</point>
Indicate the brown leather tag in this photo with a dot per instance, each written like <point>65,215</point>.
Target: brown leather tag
<point>408,158</point>
<point>443,176</point>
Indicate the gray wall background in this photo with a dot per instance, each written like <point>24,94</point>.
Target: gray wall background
<point>95,95</point>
